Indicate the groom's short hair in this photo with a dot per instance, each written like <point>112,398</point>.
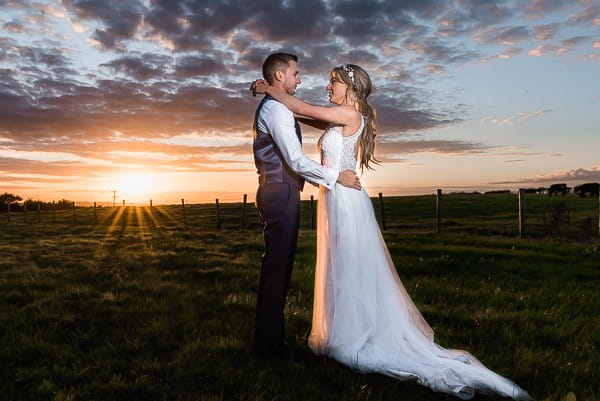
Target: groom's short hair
<point>276,62</point>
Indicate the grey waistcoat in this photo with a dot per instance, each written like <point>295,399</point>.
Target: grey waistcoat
<point>270,164</point>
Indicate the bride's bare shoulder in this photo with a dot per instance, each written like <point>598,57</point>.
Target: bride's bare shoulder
<point>353,120</point>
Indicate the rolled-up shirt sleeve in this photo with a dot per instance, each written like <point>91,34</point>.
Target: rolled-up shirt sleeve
<point>278,121</point>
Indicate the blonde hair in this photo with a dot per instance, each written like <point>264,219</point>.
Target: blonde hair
<point>360,86</point>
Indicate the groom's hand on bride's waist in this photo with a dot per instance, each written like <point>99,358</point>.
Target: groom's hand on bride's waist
<point>348,178</point>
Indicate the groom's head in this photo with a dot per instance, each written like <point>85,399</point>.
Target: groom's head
<point>281,71</point>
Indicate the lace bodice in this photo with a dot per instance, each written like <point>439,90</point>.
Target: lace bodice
<point>337,151</point>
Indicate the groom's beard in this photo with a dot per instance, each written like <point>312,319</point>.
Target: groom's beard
<point>290,90</point>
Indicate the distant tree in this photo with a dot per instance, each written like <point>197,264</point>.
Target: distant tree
<point>6,198</point>
<point>30,203</point>
<point>64,204</point>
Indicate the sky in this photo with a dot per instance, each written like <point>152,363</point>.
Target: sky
<point>150,97</point>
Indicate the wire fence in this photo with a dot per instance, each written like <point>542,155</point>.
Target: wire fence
<point>518,215</point>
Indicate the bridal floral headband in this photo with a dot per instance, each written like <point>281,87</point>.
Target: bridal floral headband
<point>350,71</point>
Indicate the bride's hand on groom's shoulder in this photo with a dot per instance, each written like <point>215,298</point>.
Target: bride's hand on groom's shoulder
<point>259,86</point>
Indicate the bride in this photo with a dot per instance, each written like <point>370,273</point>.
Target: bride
<point>362,316</point>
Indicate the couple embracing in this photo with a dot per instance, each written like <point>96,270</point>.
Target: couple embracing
<point>362,315</point>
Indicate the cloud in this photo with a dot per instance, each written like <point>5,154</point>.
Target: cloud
<point>401,110</point>
<point>578,175</point>
<point>504,36</point>
<point>437,52</point>
<point>120,19</point>
<point>574,41</point>
<point>509,53</point>
<point>504,54</point>
<point>545,50</point>
<point>194,25</point>
<point>515,151</point>
<point>140,68</point>
<point>11,153</point>
<point>519,117</point>
<point>294,19</point>
<point>545,32</point>
<point>14,26</point>
<point>470,16</point>
<point>191,66</point>
<point>538,8</point>
<point>101,158</point>
<point>589,16</point>
<point>39,56</point>
<point>398,146</point>
<point>436,69</point>
<point>36,177</point>
<point>16,169</point>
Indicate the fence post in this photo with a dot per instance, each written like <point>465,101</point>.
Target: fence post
<point>123,216</point>
<point>8,210</point>
<point>438,211</point>
<point>151,215</point>
<point>183,210</point>
<point>244,211</point>
<point>74,216</point>
<point>521,213</point>
<point>95,215</point>
<point>381,209</point>
<point>53,212</point>
<point>218,213</point>
<point>25,212</point>
<point>312,212</point>
<point>39,213</point>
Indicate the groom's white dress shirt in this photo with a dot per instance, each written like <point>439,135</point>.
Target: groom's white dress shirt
<point>278,121</point>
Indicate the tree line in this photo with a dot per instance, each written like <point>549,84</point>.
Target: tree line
<point>17,203</point>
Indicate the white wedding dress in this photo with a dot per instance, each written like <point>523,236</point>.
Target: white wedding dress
<point>363,317</point>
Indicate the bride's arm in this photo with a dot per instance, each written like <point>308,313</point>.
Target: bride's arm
<point>340,115</point>
<point>321,125</point>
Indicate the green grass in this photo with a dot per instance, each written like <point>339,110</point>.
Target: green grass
<point>146,311</point>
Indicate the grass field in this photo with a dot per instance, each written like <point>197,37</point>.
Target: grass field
<point>152,310</point>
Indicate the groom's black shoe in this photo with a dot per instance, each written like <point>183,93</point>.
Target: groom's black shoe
<point>282,350</point>
<point>287,350</point>
<point>270,350</point>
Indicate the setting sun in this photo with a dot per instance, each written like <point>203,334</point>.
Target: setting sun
<point>135,187</point>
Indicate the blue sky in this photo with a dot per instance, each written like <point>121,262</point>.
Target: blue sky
<point>150,97</point>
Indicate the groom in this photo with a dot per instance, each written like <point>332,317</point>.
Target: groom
<point>282,169</point>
